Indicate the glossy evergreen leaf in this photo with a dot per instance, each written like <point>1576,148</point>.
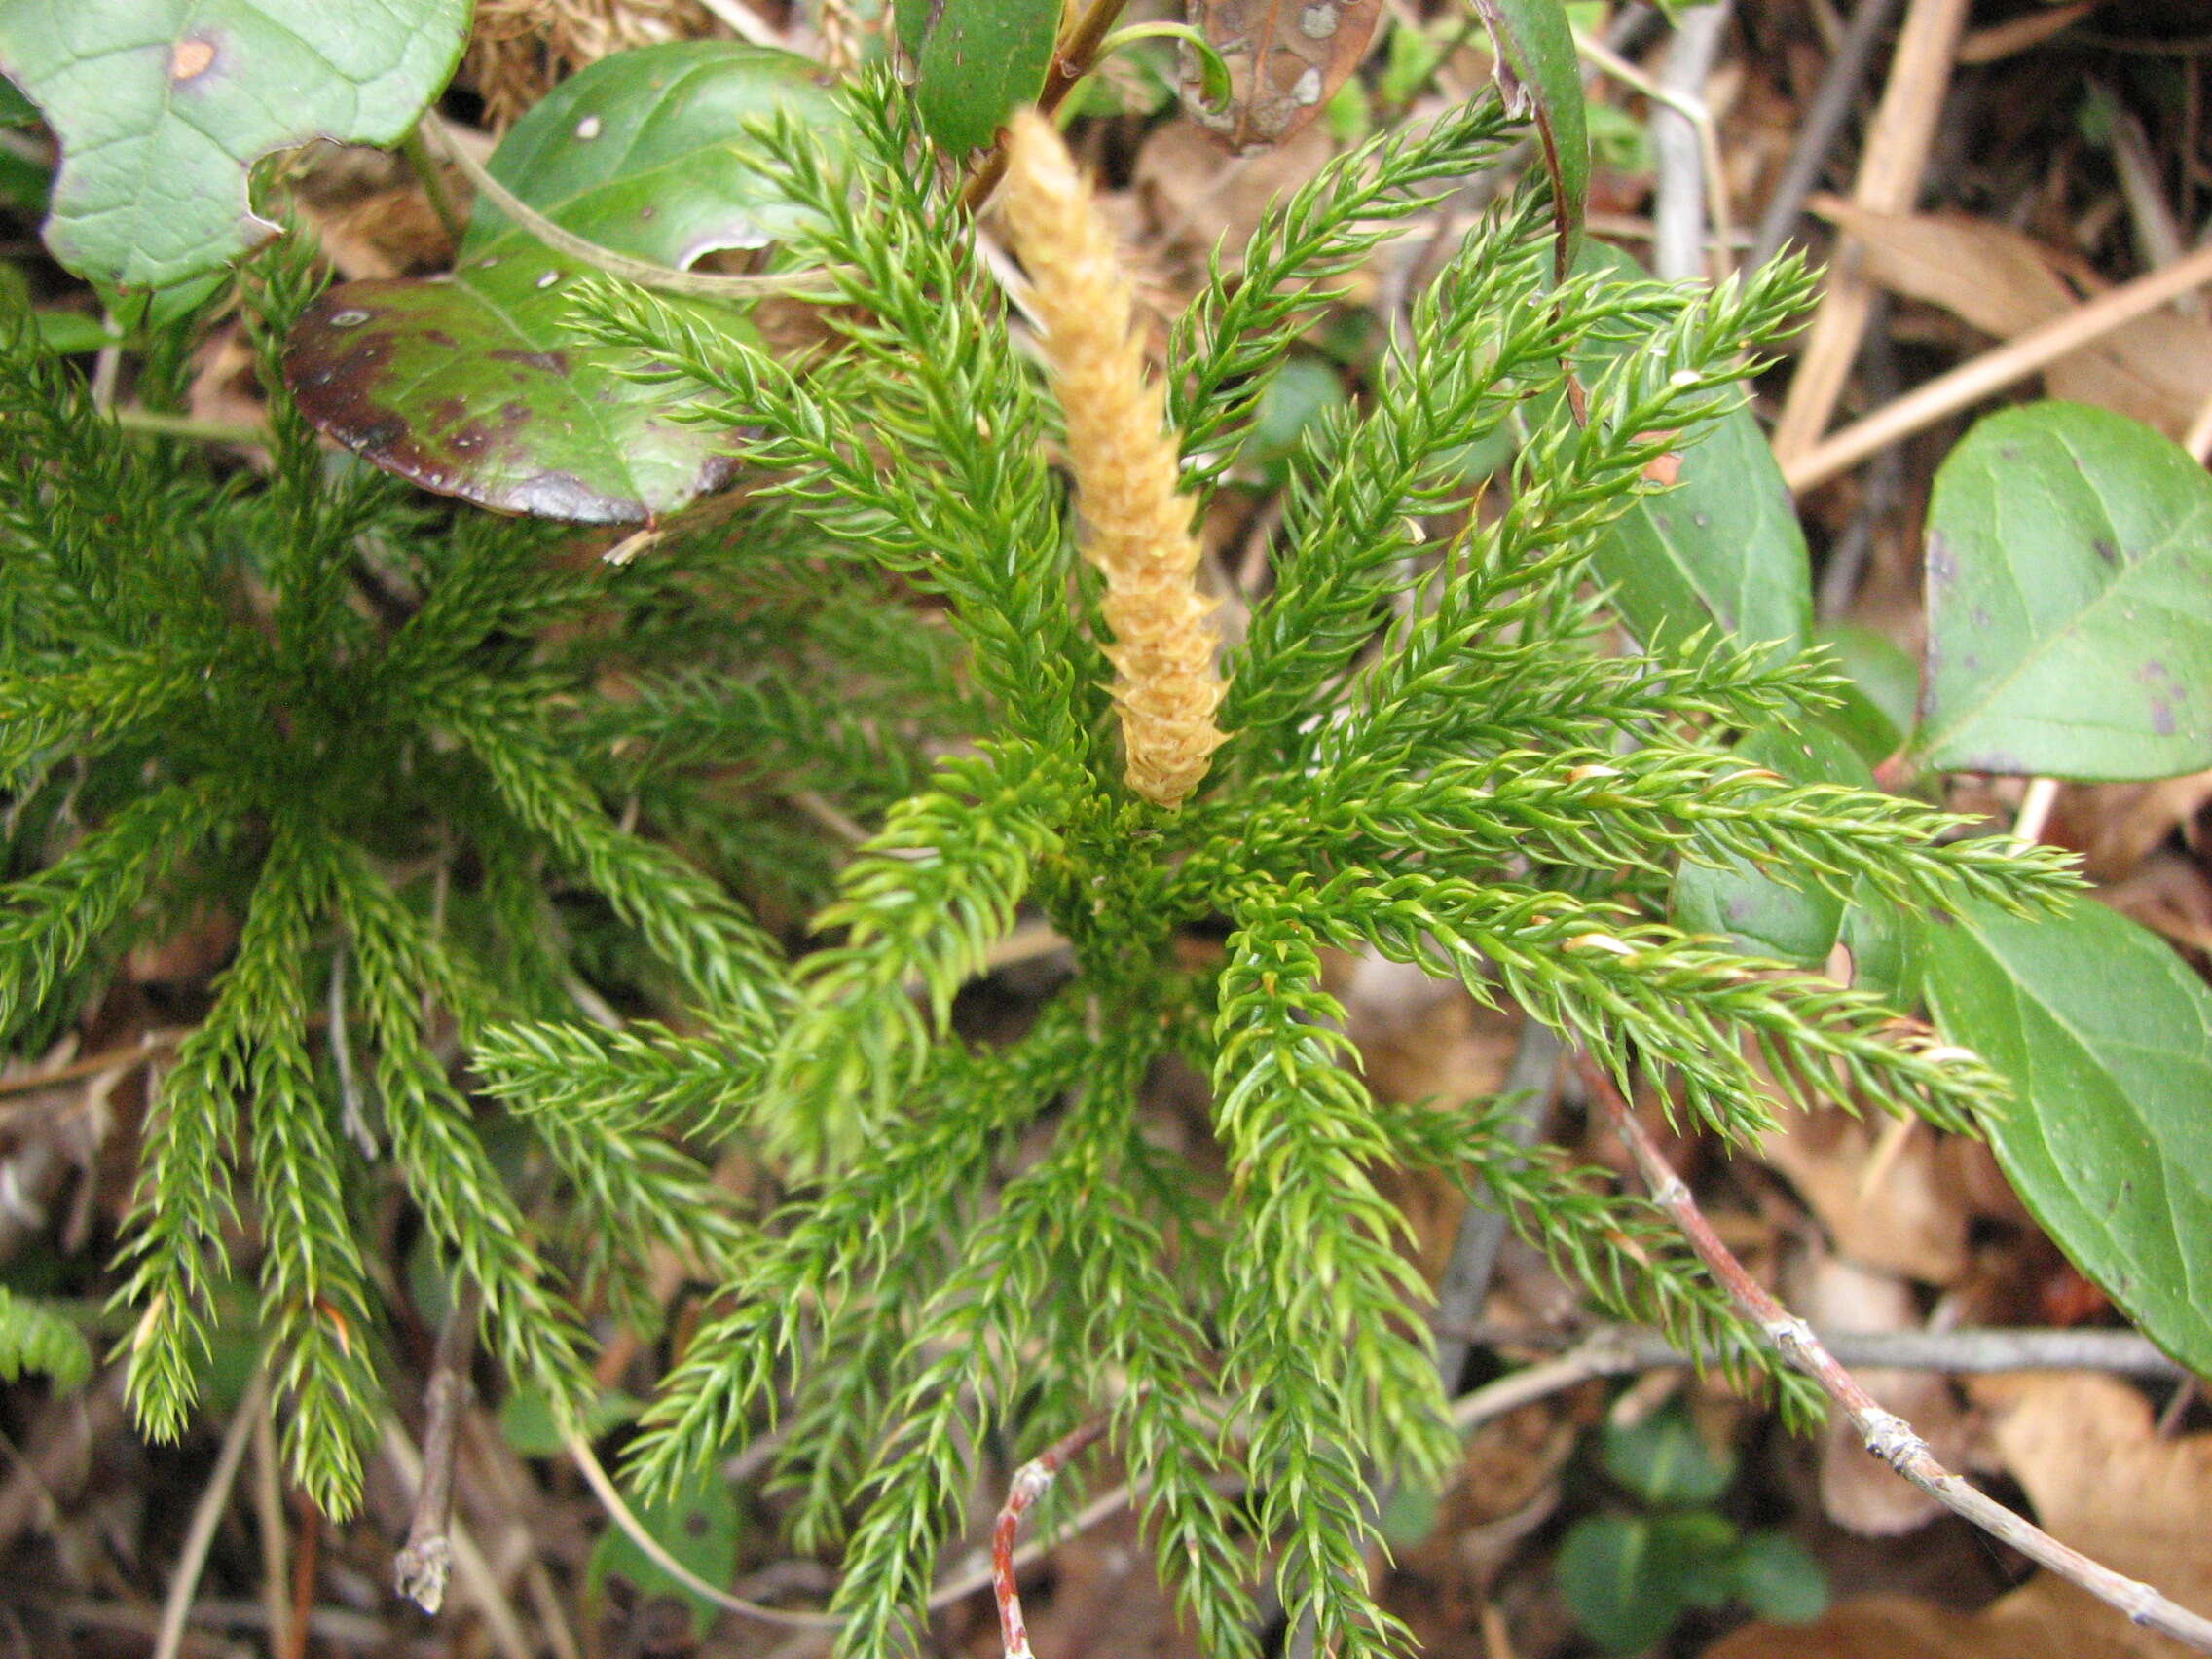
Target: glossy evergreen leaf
<point>471,384</point>
<point>2069,600</point>
<point>1721,548</point>
<point>16,110</point>
<point>1780,1581</point>
<point>2107,1037</point>
<point>1798,924</point>
<point>1627,1579</point>
<point>162,107</point>
<point>1542,78</point>
<point>1883,688</point>
<point>976,63</point>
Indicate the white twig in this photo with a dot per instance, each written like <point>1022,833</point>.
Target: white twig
<point>1888,1436</point>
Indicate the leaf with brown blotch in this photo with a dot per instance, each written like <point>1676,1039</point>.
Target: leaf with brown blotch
<point>1286,58</point>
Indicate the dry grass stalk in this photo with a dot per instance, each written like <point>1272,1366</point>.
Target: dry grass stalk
<point>1136,524</point>
<point>519,49</point>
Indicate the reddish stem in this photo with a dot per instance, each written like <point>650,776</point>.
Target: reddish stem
<point>1030,1483</point>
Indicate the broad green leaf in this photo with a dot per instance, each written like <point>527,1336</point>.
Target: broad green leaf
<point>976,63</point>
<point>1537,68</point>
<point>1628,1579</point>
<point>162,107</point>
<point>1779,1580</point>
<point>529,1424</point>
<point>1801,925</point>
<point>472,385</point>
<point>1615,1586</point>
<point>1723,548</point>
<point>2106,1036</point>
<point>1664,1460</point>
<point>699,1524</point>
<point>16,110</point>
<point>1884,688</point>
<point>2069,600</point>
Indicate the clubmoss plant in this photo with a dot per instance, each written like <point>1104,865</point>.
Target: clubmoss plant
<point>459,792</point>
<point>1427,755</point>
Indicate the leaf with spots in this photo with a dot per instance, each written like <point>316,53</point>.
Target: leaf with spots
<point>1721,549</point>
<point>1286,60</point>
<point>162,107</point>
<point>472,385</point>
<point>2069,576</point>
<point>2106,1036</point>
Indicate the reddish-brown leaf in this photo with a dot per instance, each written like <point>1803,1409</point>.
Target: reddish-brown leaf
<point>1286,58</point>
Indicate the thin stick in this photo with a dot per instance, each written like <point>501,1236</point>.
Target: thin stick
<point>2041,797</point>
<point>744,22</point>
<point>1691,109</point>
<point>641,271</point>
<point>476,1575</point>
<point>620,1513</point>
<point>1030,1483</point>
<point>2199,439</point>
<point>1994,370</point>
<point>124,1058</point>
<point>1886,1436</point>
<point>1683,147</point>
<point>206,1516</point>
<point>417,155</point>
<point>419,1570</point>
<point>1965,1350</point>
<point>268,1516</point>
<point>1888,180</point>
<point>1073,56</point>
<point>1821,123</point>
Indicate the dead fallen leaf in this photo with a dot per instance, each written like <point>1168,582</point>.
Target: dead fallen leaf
<point>1286,58</point>
<point>2170,892</point>
<point>1909,1220</point>
<point>1194,201</point>
<point>2117,826</point>
<point>2005,282</point>
<point>1858,1493</point>
<point>2083,1448</point>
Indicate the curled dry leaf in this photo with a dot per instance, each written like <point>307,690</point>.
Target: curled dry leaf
<point>2099,1478</point>
<point>1286,58</point>
<point>1908,1219</point>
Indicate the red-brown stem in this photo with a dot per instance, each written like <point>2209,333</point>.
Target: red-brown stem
<point>1887,1435</point>
<point>1030,1483</point>
<point>1074,56</point>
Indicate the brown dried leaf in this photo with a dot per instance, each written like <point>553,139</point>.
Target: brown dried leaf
<point>2005,282</point>
<point>2098,1477</point>
<point>1857,1493</point>
<point>1286,58</point>
<point>2117,825</point>
<point>1193,202</point>
<point>1904,1218</point>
